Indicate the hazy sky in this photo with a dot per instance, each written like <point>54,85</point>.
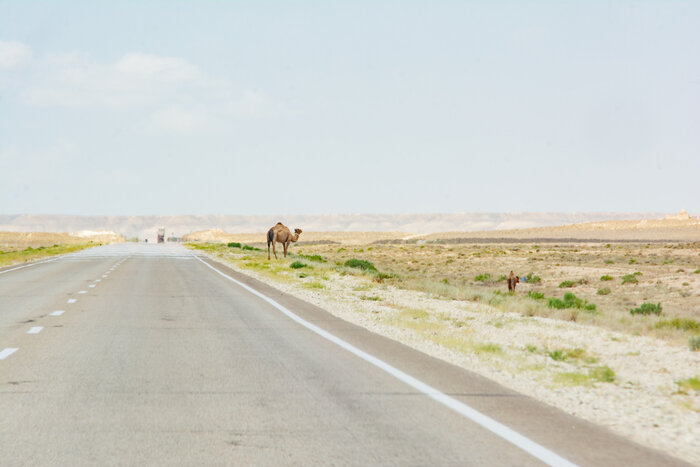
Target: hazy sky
<point>261,107</point>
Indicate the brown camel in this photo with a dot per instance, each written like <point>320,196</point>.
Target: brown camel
<point>512,281</point>
<point>280,233</point>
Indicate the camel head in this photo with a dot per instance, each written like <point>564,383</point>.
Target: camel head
<point>296,234</point>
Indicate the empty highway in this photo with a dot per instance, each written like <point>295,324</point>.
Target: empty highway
<point>138,354</point>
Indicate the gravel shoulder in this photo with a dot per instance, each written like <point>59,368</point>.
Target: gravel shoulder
<point>640,387</point>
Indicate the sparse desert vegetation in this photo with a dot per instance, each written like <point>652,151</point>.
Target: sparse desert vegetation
<point>451,299</point>
<point>20,247</point>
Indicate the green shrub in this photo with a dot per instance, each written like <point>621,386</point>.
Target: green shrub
<point>630,279</point>
<point>317,258</point>
<point>647,309</point>
<point>535,295</point>
<point>609,261</point>
<point>692,383</point>
<point>373,299</point>
<point>570,301</point>
<point>532,279</point>
<point>604,291</point>
<point>682,324</point>
<point>567,284</point>
<point>360,264</point>
<point>632,261</point>
<point>483,277</point>
<point>234,245</point>
<point>697,271</point>
<point>502,278</point>
<point>606,278</point>
<point>251,248</point>
<point>694,343</point>
<point>297,265</point>
<point>602,373</point>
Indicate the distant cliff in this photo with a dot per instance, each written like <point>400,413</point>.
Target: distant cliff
<point>146,226</point>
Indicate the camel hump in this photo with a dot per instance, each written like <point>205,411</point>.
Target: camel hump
<point>279,223</point>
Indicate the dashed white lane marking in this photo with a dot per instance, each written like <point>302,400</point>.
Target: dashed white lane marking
<point>35,329</point>
<point>98,280</point>
<point>7,352</point>
<point>526,444</point>
<point>92,286</point>
<point>83,291</point>
<point>57,313</point>
<point>72,300</point>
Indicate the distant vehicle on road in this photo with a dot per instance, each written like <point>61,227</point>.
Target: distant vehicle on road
<point>161,235</point>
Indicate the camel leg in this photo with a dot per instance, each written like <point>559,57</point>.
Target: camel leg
<point>286,245</point>
<point>274,251</point>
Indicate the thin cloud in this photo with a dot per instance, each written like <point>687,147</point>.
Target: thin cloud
<point>14,55</point>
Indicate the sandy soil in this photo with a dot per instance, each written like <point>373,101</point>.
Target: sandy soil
<point>10,241</point>
<point>654,230</point>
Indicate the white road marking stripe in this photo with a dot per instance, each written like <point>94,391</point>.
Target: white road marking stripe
<point>28,265</point>
<point>72,300</point>
<point>92,286</point>
<point>83,291</point>
<point>7,352</point>
<point>57,313</point>
<point>104,275</point>
<point>35,329</point>
<point>512,436</point>
<point>98,280</point>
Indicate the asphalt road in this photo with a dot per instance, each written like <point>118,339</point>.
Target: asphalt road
<point>145,355</point>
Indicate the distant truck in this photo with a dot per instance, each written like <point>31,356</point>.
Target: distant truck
<point>161,235</point>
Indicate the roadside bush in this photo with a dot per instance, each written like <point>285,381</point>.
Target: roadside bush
<point>570,301</point>
<point>697,271</point>
<point>297,265</point>
<point>234,245</point>
<point>606,278</point>
<point>502,278</point>
<point>483,277</point>
<point>694,343</point>
<point>535,295</point>
<point>567,284</point>
<point>251,248</point>
<point>604,291</point>
<point>317,258</point>
<point>647,309</point>
<point>630,279</point>
<point>682,324</point>
<point>532,279</point>
<point>360,264</point>
<point>604,374</point>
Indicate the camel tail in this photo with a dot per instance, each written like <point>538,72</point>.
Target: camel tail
<point>270,236</point>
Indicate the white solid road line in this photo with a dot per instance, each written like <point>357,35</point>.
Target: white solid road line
<point>513,437</point>
<point>7,352</point>
<point>35,330</point>
<point>29,265</point>
<point>57,313</point>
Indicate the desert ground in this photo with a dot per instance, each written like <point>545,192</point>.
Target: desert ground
<point>568,336</point>
<point>19,247</point>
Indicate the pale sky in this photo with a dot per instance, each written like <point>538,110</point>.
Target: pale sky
<point>262,107</point>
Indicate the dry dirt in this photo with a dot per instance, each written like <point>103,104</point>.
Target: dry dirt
<point>11,241</point>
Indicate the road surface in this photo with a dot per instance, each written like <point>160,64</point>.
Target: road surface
<point>148,355</point>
